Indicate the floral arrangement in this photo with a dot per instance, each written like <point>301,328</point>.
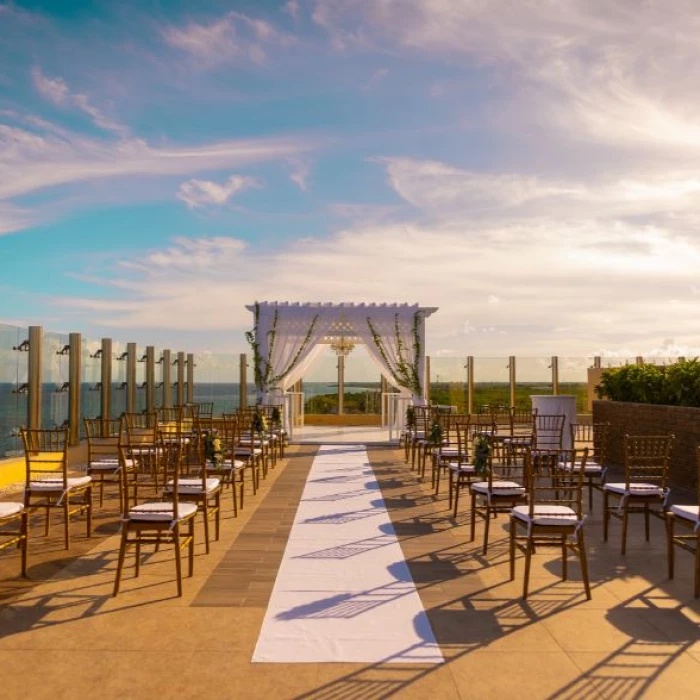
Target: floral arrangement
<point>276,416</point>
<point>482,454</point>
<point>213,448</point>
<point>259,422</point>
<point>410,417</point>
<point>435,434</point>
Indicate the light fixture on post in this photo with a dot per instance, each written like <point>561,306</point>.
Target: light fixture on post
<point>342,347</point>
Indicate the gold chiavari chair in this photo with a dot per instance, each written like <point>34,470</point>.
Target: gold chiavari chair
<point>420,437</point>
<point>46,459</point>
<point>204,490</point>
<point>688,517</point>
<point>647,459</point>
<point>14,529</point>
<point>144,449</point>
<point>553,514</point>
<point>500,491</point>
<point>449,448</point>
<point>105,457</point>
<point>160,521</point>
<point>242,448</point>
<point>593,436</point>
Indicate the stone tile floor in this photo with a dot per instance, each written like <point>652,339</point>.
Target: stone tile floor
<point>63,635</point>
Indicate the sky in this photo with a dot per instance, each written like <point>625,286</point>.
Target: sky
<point>530,168</point>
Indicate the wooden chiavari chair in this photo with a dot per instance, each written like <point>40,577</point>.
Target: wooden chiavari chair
<point>244,447</point>
<point>46,459</point>
<point>553,514</point>
<point>160,520</point>
<point>688,517</point>
<point>419,439</point>
<point>14,529</point>
<point>449,448</point>
<point>594,437</point>
<point>647,459</point>
<point>229,470</point>
<point>144,449</point>
<point>105,457</point>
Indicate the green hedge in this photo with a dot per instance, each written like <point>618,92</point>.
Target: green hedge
<point>670,385</point>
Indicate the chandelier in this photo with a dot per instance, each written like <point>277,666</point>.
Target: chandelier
<point>342,347</point>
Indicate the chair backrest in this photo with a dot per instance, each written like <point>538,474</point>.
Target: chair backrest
<point>141,420</point>
<point>45,454</point>
<point>523,422</point>
<point>423,419</point>
<point>549,431</point>
<point>169,414</point>
<point>697,475</point>
<point>549,485</point>
<point>104,437</point>
<point>647,459</point>
<point>206,409</point>
<point>594,436</point>
<point>502,416</point>
<point>171,456</point>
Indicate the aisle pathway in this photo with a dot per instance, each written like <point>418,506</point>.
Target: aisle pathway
<point>344,592</point>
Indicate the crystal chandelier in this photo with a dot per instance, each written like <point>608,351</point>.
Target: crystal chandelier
<point>342,347</point>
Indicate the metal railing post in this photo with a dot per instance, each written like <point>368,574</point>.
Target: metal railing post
<point>180,361</point>
<point>131,377</point>
<point>167,388</point>
<point>150,379</point>
<point>75,345</point>
<point>190,378</point>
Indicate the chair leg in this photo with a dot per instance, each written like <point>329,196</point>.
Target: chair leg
<point>458,487</point>
<point>473,523</point>
<point>120,561</point>
<point>487,526</point>
<point>66,522</point>
<point>191,536</point>
<point>606,515</point>
<point>217,505</point>
<point>48,519</point>
<point>25,541</point>
<point>205,513</point>
<point>584,562</point>
<point>88,500</point>
<point>528,560</point>
<point>671,555</point>
<point>512,549</point>
<point>564,559</point>
<point>625,521</point>
<point>697,566</point>
<point>590,494</point>
<point>646,521</point>
<point>178,558</point>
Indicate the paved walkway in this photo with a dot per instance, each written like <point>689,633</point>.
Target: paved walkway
<point>62,634</point>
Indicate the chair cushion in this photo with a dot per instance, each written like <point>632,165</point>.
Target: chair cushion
<point>247,451</point>
<point>547,515</point>
<point>462,468</point>
<point>638,489</point>
<point>108,464</point>
<point>499,488</point>
<point>447,451</point>
<point>8,509</point>
<point>691,513</point>
<point>226,466</point>
<point>161,512</point>
<point>592,468</point>
<point>56,484</point>
<point>194,485</point>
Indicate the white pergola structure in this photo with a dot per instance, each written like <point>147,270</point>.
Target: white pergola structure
<point>288,337</point>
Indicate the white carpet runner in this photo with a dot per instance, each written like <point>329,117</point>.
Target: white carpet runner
<point>343,592</point>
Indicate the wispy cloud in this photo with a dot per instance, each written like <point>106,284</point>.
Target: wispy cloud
<point>57,91</point>
<point>201,193</point>
<point>232,37</point>
<point>299,174</point>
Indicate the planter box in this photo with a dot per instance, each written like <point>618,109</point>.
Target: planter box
<point>648,419</point>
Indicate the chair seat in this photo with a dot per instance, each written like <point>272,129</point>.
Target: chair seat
<point>226,466</point>
<point>547,515</point>
<point>691,513</point>
<point>161,512</point>
<point>247,451</point>
<point>517,440</point>
<point>544,451</point>
<point>461,468</point>
<point>8,509</point>
<point>55,485</point>
<point>446,452</point>
<point>109,465</point>
<point>639,489</point>
<point>194,485</point>
<point>499,488</point>
<point>591,468</point>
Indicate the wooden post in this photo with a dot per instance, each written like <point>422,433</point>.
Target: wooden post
<point>597,362</point>
<point>106,379</point>
<point>150,379</point>
<point>34,376</point>
<point>243,381</point>
<point>555,375</point>
<point>74,386</point>
<point>470,384</point>
<point>131,377</point>
<point>190,378</point>
<point>511,373</point>
<point>167,388</point>
<point>180,362</point>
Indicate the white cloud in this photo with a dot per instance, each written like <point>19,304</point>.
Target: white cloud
<point>232,37</point>
<point>57,91</point>
<point>300,173</point>
<point>200,193</point>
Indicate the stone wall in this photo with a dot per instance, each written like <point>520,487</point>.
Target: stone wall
<point>647,419</point>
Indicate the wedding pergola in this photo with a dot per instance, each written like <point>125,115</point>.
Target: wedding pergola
<point>288,337</point>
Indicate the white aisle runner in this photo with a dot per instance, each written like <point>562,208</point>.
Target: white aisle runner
<point>343,591</point>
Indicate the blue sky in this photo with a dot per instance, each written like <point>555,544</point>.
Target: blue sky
<point>530,168</point>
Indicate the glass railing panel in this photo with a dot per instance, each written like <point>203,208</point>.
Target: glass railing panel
<point>91,376</point>
<point>533,376</point>
<point>216,381</point>
<point>448,381</point>
<point>573,380</point>
<point>118,393</point>
<point>491,382</point>
<point>55,361</point>
<point>13,396</point>
<point>321,386</point>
